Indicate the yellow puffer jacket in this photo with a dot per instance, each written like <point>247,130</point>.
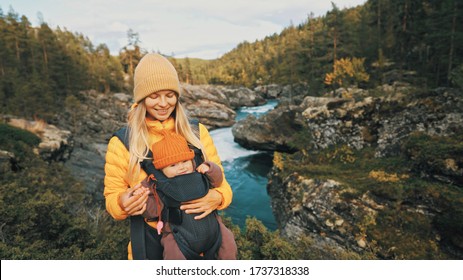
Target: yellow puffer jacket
<point>117,161</point>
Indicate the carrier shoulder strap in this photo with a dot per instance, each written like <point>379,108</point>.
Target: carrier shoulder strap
<point>137,223</point>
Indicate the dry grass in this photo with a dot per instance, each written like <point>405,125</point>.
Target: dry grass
<point>37,126</point>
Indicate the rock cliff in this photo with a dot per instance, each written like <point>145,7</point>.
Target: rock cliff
<point>379,214</point>
<point>382,220</point>
<point>358,122</point>
<point>274,130</point>
<point>317,208</point>
<point>271,132</point>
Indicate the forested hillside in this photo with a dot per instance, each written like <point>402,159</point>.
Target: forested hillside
<point>40,67</point>
<point>421,36</point>
<point>382,40</point>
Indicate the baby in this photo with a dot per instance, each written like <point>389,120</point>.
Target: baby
<point>173,157</point>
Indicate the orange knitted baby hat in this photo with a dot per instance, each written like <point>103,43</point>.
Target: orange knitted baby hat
<point>171,149</point>
<point>152,74</point>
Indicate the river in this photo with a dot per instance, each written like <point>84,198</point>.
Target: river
<point>246,171</point>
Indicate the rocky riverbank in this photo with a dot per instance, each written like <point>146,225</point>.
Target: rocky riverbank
<point>381,122</point>
<point>379,173</point>
<point>358,122</point>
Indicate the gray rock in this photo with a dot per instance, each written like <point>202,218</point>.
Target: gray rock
<point>271,91</point>
<point>214,105</point>
<point>270,132</point>
<point>316,208</point>
<point>208,104</point>
<point>383,122</point>
<point>56,144</point>
<point>333,215</point>
<point>241,96</point>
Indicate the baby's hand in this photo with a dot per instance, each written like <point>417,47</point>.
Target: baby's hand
<point>140,191</point>
<point>203,168</point>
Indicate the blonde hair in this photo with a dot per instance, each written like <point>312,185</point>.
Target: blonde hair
<point>139,145</point>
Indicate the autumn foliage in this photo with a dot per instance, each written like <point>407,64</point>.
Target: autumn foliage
<point>347,72</point>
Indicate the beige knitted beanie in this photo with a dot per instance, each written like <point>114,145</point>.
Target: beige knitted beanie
<point>152,74</point>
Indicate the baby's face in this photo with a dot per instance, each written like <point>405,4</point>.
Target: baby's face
<point>179,168</point>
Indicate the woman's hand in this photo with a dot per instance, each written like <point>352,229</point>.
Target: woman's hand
<point>204,205</point>
<point>134,204</point>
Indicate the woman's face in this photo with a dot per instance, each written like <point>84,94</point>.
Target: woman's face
<point>161,104</point>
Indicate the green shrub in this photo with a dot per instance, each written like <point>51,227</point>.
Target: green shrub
<point>18,141</point>
<point>45,212</point>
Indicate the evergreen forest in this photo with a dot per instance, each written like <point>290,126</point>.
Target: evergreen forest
<point>422,41</point>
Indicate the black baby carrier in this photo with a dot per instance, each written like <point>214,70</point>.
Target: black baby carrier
<point>197,239</point>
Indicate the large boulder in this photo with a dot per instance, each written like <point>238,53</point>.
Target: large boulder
<point>56,144</point>
<point>242,96</point>
<point>214,105</point>
<point>207,104</point>
<point>286,94</point>
<point>271,132</point>
<point>271,91</point>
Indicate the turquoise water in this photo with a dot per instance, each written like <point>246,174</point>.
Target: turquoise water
<point>246,171</point>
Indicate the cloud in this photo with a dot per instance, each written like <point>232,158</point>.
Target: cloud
<point>200,28</point>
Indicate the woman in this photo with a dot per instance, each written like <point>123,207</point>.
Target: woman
<point>156,108</point>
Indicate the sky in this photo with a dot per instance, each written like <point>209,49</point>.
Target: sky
<point>204,29</point>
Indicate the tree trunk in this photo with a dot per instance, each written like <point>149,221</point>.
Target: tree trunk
<point>452,40</point>
<point>17,49</point>
<point>378,25</point>
<point>45,56</point>
<point>334,48</point>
